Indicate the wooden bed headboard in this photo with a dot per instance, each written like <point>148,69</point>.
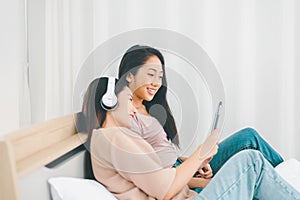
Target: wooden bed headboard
<point>30,148</point>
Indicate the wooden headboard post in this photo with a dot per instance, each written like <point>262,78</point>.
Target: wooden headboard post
<point>8,173</point>
<point>33,147</point>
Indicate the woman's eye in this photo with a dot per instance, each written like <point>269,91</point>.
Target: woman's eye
<point>150,74</point>
<point>160,77</point>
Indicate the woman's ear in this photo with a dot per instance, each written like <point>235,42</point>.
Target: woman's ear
<point>129,77</point>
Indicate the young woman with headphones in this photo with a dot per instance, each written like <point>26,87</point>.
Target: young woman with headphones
<point>144,69</point>
<point>129,167</point>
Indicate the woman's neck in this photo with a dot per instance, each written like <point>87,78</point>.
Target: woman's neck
<point>140,108</point>
<point>109,121</point>
<point>137,102</point>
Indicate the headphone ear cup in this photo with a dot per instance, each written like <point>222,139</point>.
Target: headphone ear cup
<point>109,100</point>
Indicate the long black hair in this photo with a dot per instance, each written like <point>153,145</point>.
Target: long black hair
<point>93,115</point>
<point>131,61</point>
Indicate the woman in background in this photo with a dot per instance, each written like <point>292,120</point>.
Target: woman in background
<point>144,69</point>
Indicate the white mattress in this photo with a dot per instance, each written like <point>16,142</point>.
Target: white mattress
<point>290,171</point>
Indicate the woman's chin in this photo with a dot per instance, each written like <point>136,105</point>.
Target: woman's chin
<point>149,98</point>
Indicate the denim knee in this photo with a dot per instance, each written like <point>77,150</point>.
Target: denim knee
<point>251,157</point>
<point>253,140</point>
<point>253,154</point>
<point>252,136</point>
<point>251,132</point>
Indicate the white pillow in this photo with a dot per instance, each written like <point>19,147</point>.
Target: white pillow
<point>290,171</point>
<point>68,188</point>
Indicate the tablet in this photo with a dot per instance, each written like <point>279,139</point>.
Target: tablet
<point>213,138</point>
<point>216,117</point>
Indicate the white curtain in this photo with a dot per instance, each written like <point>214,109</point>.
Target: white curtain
<point>24,96</point>
<point>24,85</point>
<point>65,48</point>
<point>254,45</point>
<point>58,63</point>
<point>15,101</point>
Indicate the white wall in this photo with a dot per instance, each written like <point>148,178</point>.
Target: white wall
<point>71,24</point>
<point>297,72</point>
<point>12,53</point>
<point>36,37</point>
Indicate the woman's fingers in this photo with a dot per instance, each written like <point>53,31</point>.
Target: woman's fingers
<point>208,174</point>
<point>207,171</point>
<point>215,150</point>
<point>201,172</point>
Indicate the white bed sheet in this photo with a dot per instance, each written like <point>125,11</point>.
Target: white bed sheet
<point>290,171</point>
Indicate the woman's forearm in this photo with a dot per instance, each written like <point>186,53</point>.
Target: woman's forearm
<point>198,182</point>
<point>186,170</point>
<point>184,173</point>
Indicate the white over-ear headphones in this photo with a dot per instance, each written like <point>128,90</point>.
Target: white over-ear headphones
<point>109,100</point>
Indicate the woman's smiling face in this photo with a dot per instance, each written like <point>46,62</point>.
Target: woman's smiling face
<point>147,80</point>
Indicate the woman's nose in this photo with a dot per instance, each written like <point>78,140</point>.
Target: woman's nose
<point>156,81</point>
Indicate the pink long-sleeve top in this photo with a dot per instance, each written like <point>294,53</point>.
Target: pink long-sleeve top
<point>152,131</point>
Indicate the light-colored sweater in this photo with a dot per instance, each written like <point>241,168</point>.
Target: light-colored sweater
<point>129,167</point>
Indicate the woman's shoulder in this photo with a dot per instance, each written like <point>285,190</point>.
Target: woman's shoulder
<point>115,132</point>
<point>123,138</point>
<point>147,120</point>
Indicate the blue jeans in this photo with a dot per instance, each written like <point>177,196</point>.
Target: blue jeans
<point>246,138</point>
<point>248,175</point>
